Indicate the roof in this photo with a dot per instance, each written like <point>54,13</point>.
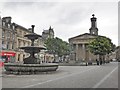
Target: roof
<point>82,35</point>
<point>85,34</point>
<point>17,25</point>
<point>23,28</point>
<point>46,31</point>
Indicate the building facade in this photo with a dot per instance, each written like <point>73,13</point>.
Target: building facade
<point>79,50</point>
<point>21,41</point>
<point>0,35</point>
<point>48,33</point>
<point>8,40</point>
<point>118,53</point>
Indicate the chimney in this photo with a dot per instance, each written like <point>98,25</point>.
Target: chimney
<point>7,19</point>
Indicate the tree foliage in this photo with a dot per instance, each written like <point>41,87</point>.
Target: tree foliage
<point>57,46</point>
<point>101,46</point>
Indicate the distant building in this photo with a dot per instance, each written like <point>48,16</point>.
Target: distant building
<point>48,33</point>
<point>118,53</point>
<point>79,50</point>
<point>47,57</point>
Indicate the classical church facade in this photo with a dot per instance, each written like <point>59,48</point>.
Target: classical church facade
<point>79,50</point>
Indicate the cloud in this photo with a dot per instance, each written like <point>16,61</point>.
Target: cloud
<point>67,18</point>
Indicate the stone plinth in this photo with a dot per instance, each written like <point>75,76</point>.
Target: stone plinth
<point>29,68</point>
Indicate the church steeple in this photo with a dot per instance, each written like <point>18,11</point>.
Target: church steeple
<point>93,29</point>
<point>50,28</point>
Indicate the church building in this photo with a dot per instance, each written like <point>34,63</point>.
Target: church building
<point>79,50</point>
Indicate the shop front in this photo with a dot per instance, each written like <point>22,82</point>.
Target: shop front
<point>7,57</point>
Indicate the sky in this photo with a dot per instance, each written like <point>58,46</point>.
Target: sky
<point>68,19</point>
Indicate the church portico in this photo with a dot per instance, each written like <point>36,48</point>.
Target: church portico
<point>79,44</point>
<point>82,53</point>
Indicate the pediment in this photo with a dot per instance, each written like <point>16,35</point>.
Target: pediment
<point>84,36</point>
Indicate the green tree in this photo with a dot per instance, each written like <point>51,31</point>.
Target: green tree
<point>101,46</point>
<point>57,46</point>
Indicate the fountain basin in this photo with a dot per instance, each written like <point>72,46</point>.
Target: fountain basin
<point>32,36</point>
<point>35,49</point>
<point>12,68</point>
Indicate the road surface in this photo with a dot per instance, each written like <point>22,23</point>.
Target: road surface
<point>104,76</point>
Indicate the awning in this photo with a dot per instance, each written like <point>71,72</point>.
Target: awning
<point>7,54</point>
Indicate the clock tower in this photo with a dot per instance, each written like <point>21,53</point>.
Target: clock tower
<point>93,29</point>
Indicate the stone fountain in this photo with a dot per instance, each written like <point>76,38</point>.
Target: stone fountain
<point>32,49</point>
<point>31,64</point>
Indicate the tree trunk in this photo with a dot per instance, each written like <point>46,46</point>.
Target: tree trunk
<point>108,58</point>
<point>103,59</point>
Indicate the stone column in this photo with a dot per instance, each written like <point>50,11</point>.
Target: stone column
<point>86,55</point>
<point>77,53</point>
<point>83,52</point>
